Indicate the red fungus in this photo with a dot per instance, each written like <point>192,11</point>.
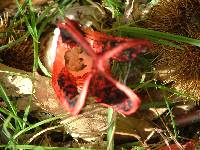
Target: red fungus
<point>82,61</point>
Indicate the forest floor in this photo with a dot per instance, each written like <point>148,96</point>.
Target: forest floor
<point>157,79</point>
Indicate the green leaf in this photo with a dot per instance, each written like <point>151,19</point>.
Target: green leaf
<point>114,6</point>
<point>111,130</point>
<point>136,31</point>
<point>44,70</point>
<point>9,104</point>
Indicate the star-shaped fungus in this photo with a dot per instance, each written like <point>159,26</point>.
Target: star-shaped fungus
<point>81,68</point>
